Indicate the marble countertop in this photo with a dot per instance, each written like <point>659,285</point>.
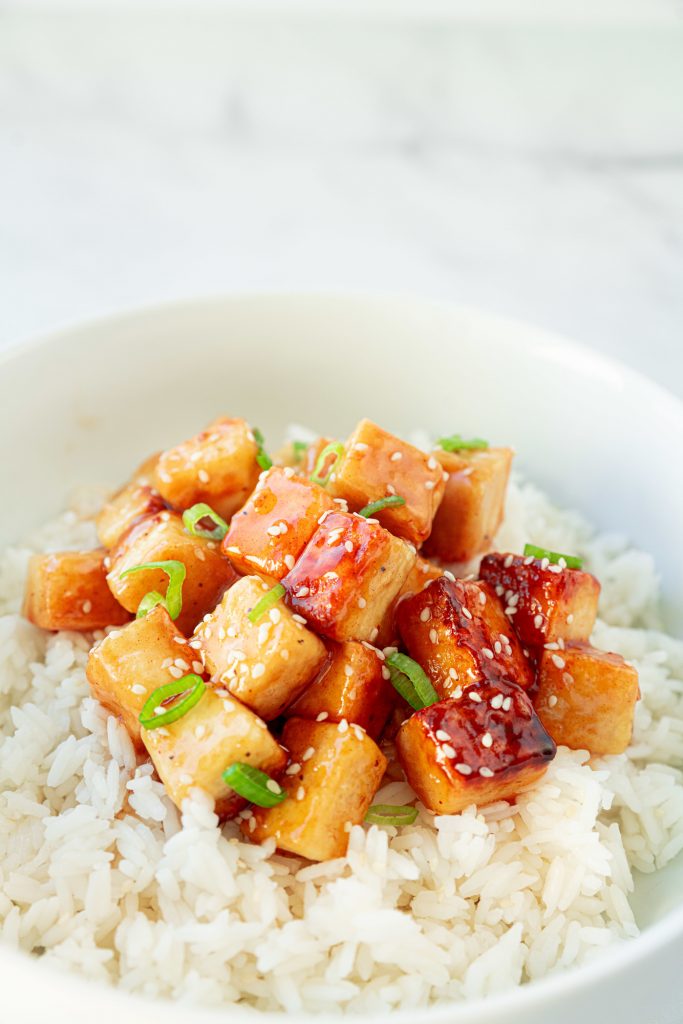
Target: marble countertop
<point>532,166</point>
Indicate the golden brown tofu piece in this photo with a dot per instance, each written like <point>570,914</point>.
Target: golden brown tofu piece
<point>125,508</point>
<point>457,632</point>
<point>68,590</point>
<point>485,746</point>
<point>217,466</point>
<point>266,664</point>
<point>422,573</point>
<point>195,750</point>
<point>163,538</point>
<point>339,771</point>
<point>586,698</point>
<point>347,576</point>
<point>130,663</point>
<point>355,686</point>
<point>277,522</point>
<point>376,465</point>
<point>473,504</point>
<point>544,602</point>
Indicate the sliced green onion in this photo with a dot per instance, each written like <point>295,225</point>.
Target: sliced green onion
<point>391,814</point>
<point>254,785</point>
<point>336,448</point>
<point>393,501</point>
<point>193,518</point>
<point>456,443</point>
<point>266,602</point>
<point>299,449</point>
<point>571,561</point>
<point>411,681</point>
<point>192,686</point>
<point>176,572</point>
<point>262,457</point>
<point>149,601</point>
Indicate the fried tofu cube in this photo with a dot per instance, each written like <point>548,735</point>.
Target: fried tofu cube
<point>422,573</point>
<point>194,751</point>
<point>68,590</point>
<point>347,576</point>
<point>217,466</point>
<point>277,522</point>
<point>486,746</point>
<point>130,663</point>
<point>339,771</point>
<point>457,631</point>
<point>376,465</point>
<point>543,602</point>
<point>266,664</point>
<point>355,685</point>
<point>473,504</point>
<point>123,509</point>
<point>586,698</point>
<point>163,538</point>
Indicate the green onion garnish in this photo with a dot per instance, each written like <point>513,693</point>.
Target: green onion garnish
<point>570,561</point>
<point>193,686</point>
<point>173,602</point>
<point>411,681</point>
<point>193,518</point>
<point>335,448</point>
<point>299,449</point>
<point>262,457</point>
<point>376,506</point>
<point>391,814</point>
<point>254,785</point>
<point>456,443</point>
<point>266,602</point>
<point>149,601</point>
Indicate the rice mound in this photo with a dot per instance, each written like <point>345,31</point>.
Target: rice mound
<point>100,873</point>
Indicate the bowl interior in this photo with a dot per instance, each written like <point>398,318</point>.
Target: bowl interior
<point>84,406</point>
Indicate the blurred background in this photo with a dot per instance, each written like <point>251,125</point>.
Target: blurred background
<point>526,157</point>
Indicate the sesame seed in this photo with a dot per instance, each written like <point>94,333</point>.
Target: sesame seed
<point>482,597</point>
<point>432,463</point>
<point>507,703</point>
<point>331,575</point>
<point>310,751</point>
<point>467,613</point>
<point>138,688</point>
<point>375,633</point>
<point>203,476</point>
<point>508,561</point>
<point>299,618</point>
<point>274,531</point>
<point>360,446</point>
<point>570,619</point>
<point>258,670</point>
<point>300,793</point>
<point>362,602</point>
<point>232,632</point>
<point>486,772</point>
<point>288,472</point>
<point>464,769</point>
<point>275,615</point>
<point>538,621</point>
<point>200,731</point>
<point>284,654</point>
<point>176,672</point>
<point>324,516</point>
<point>358,732</point>
<point>386,674</point>
<point>545,562</point>
<point>343,726</point>
<point>429,485</point>
<point>349,546</point>
<point>476,697</point>
<point>289,561</point>
<point>498,647</point>
<point>552,700</point>
<point>425,615</point>
<point>252,823</point>
<point>528,560</point>
<point>497,701</point>
<point>487,652</point>
<point>87,607</point>
<point>449,575</point>
<point>348,670</point>
<point>321,718</point>
<point>233,551</point>
<point>487,740</point>
<point>391,490</point>
<point>273,786</point>
<point>198,667</point>
<point>567,678</point>
<point>181,663</point>
<point>500,590</point>
<point>557,661</point>
<point>396,456</point>
<point>444,476</point>
<point>293,768</point>
<point>452,673</point>
<point>448,750</point>
<point>303,592</point>
<point>442,735</point>
<point>457,693</point>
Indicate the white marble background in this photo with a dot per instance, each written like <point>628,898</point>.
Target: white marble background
<point>526,157</point>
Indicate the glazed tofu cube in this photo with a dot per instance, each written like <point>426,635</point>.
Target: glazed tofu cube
<point>422,573</point>
<point>457,631</point>
<point>125,508</point>
<point>130,663</point>
<point>68,590</point>
<point>217,466</point>
<point>338,771</point>
<point>486,746</point>
<point>163,538</point>
<point>375,465</point>
<point>266,664</point>
<point>195,750</point>
<point>473,504</point>
<point>355,686</point>
<point>347,576</point>
<point>277,522</point>
<point>544,602</point>
<point>586,698</point>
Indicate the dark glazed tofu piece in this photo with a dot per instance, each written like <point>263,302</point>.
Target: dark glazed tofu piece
<point>486,746</point>
<point>126,507</point>
<point>334,772</point>
<point>457,631</point>
<point>586,698</point>
<point>355,686</point>
<point>347,576</point>
<point>217,466</point>
<point>544,602</point>
<point>473,504</point>
<point>163,538</point>
<point>277,522</point>
<point>375,465</point>
<point>130,663</point>
<point>68,590</point>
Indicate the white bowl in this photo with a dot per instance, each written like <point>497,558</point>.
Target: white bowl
<point>82,406</point>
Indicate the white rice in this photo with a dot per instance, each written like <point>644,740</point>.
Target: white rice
<point>100,874</point>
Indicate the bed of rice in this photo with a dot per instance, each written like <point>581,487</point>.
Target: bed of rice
<point>99,873</point>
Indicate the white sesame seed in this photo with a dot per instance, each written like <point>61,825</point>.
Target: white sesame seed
<point>442,735</point>
<point>429,485</point>
<point>258,670</point>
<point>302,592</point>
<point>360,446</point>
<point>349,546</point>
<point>457,693</point>
<point>487,740</point>
<point>343,725</point>
<point>274,530</point>
<point>538,621</point>
<point>467,613</point>
<point>507,703</point>
<point>498,647</point>
<point>545,562</point>
<point>321,718</point>
<point>138,688</point>
<point>87,607</point>
<point>552,700</point>
<point>482,597</point>
<point>289,561</point>
<point>386,674</point>
<point>288,472</point>
<point>231,632</point>
<point>396,456</point>
<point>448,750</point>
<point>425,615</point>
<point>252,823</point>
<point>432,463</point>
<point>358,732</point>
<point>348,670</point>
<point>203,476</point>
<point>464,769</point>
<point>176,672</point>
<point>284,653</point>
<point>293,768</point>
<point>331,575</point>
<point>375,633</point>
<point>433,635</point>
<point>362,602</point>
<point>486,772</point>
<point>200,731</point>
<point>497,701</point>
<point>299,618</point>
<point>567,678</point>
<point>452,673</point>
<point>233,550</point>
<point>449,575</point>
<point>500,590</point>
<point>444,476</point>
<point>508,561</point>
<point>300,793</point>
<point>476,697</point>
<point>273,786</point>
<point>528,560</point>
<point>391,490</point>
<point>324,516</point>
<point>570,619</point>
<point>487,652</point>
<point>557,661</point>
<point>275,615</point>
<point>181,663</point>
